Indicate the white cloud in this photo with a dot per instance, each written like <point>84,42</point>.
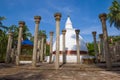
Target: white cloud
<point>65,9</point>
<point>90,29</point>
<point>98,29</point>
<point>113,31</point>
<point>15,2</point>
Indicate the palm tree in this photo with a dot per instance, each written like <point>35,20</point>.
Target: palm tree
<point>90,47</point>
<point>26,33</point>
<point>1,25</point>
<point>42,32</point>
<point>15,30</point>
<point>2,18</point>
<point>3,44</point>
<point>114,14</point>
<point>3,39</point>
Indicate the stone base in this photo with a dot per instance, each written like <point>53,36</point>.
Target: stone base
<point>69,58</point>
<point>25,62</point>
<point>72,52</point>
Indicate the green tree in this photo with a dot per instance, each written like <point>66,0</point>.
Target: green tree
<point>113,39</point>
<point>26,33</point>
<point>3,44</point>
<point>3,39</point>
<point>1,25</point>
<point>2,18</point>
<point>40,32</point>
<point>114,14</point>
<point>15,30</point>
<point>90,47</point>
<point>47,49</point>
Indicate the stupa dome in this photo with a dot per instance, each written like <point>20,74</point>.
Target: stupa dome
<point>70,40</point>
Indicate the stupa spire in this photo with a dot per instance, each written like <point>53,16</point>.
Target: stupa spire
<point>68,24</point>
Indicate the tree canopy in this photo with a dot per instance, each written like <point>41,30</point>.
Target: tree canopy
<point>114,14</point>
<point>1,25</point>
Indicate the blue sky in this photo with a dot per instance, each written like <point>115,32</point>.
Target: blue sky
<point>83,13</point>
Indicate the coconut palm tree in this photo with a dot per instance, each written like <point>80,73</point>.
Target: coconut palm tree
<point>114,14</point>
<point>3,39</point>
<point>2,18</point>
<point>26,34</point>
<point>40,32</point>
<point>3,44</point>
<point>15,30</point>
<point>1,25</point>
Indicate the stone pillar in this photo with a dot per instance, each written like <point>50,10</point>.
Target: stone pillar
<point>12,55</point>
<point>103,18</point>
<point>95,45</point>
<point>42,48</point>
<point>44,53</point>
<point>14,52</point>
<point>21,25</point>
<point>57,18</point>
<point>51,45</point>
<point>37,21</point>
<point>99,52</point>
<point>39,49</point>
<point>101,48</point>
<point>9,47</point>
<point>63,52</point>
<point>78,46</point>
<point>116,51</point>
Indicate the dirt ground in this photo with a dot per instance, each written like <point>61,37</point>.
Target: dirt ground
<point>66,72</point>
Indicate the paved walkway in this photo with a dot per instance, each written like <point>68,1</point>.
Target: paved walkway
<point>66,72</point>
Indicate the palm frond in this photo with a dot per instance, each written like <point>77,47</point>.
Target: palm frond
<point>114,14</point>
<point>2,18</point>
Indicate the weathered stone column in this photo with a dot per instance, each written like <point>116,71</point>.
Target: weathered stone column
<point>14,52</point>
<point>51,45</point>
<point>57,18</point>
<point>39,49</point>
<point>9,47</point>
<point>13,55</point>
<point>63,52</point>
<point>103,18</point>
<point>37,21</point>
<point>99,53</point>
<point>95,45</point>
<point>44,53</point>
<point>78,46</point>
<point>101,48</point>
<point>42,48</point>
<point>21,25</point>
<point>116,51</point>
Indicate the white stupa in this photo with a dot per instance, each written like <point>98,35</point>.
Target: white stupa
<point>70,44</point>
